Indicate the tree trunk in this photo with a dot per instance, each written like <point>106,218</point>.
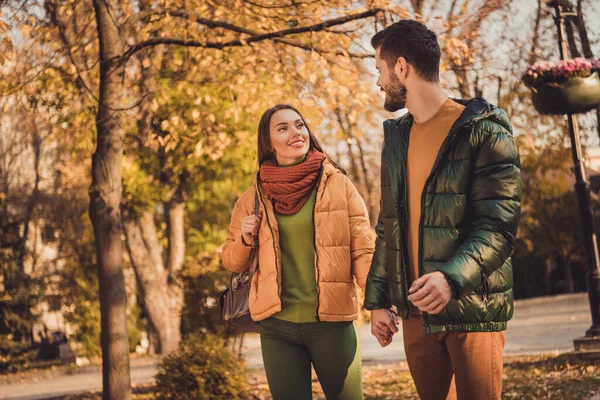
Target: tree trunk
<point>36,143</point>
<point>175,211</point>
<point>105,200</point>
<point>462,80</point>
<point>144,252</point>
<point>367,182</point>
<point>153,338</point>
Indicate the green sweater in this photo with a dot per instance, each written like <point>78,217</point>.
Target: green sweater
<point>299,297</point>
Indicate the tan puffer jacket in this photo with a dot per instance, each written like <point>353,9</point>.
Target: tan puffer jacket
<point>343,241</point>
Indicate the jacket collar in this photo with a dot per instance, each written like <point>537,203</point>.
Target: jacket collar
<point>475,109</point>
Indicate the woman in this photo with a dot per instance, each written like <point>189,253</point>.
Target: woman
<point>314,240</point>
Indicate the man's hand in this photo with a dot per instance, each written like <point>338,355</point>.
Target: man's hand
<point>383,326</point>
<point>430,293</point>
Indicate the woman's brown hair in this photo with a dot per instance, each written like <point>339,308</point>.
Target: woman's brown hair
<point>265,148</point>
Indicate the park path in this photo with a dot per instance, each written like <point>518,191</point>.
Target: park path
<point>540,325</point>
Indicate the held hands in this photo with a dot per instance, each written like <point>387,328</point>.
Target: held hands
<point>383,326</point>
<point>249,227</point>
<point>430,293</point>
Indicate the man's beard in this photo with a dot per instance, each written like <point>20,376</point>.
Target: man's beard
<point>395,94</point>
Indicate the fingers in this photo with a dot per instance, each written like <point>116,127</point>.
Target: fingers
<point>435,308</point>
<point>418,284</point>
<point>381,329</point>
<point>433,296</point>
<point>388,336</point>
<point>427,299</point>
<point>384,342</point>
<point>385,339</point>
<point>251,224</point>
<point>383,326</point>
<point>421,292</point>
<point>432,306</point>
<point>391,325</point>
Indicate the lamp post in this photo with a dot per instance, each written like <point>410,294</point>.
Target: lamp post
<point>587,347</point>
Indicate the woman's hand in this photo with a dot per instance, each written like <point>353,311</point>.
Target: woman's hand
<point>249,227</point>
<point>384,326</point>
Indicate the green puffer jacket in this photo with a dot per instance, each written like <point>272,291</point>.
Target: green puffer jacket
<point>470,211</point>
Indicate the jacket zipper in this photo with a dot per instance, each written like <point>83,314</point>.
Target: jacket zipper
<point>405,220</point>
<point>277,256</point>
<point>401,209</point>
<point>315,244</point>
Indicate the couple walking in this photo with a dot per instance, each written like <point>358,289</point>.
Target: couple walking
<point>450,204</point>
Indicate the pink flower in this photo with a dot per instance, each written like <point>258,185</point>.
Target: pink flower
<point>543,72</point>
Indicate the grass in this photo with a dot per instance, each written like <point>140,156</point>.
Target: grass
<point>545,377</point>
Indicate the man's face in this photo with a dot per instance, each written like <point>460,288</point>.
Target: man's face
<point>388,81</point>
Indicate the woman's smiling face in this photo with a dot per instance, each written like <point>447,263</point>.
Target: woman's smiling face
<point>289,136</point>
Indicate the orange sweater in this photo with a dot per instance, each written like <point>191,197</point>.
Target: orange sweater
<point>425,141</point>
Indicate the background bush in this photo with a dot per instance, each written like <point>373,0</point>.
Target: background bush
<point>204,368</point>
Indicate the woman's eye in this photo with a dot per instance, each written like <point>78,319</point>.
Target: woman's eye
<point>282,129</point>
<point>299,126</point>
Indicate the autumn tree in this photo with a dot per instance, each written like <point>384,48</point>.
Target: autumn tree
<point>101,55</point>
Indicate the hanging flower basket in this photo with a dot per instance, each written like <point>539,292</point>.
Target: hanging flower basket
<point>567,87</point>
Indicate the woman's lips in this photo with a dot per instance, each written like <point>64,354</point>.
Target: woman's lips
<point>297,143</point>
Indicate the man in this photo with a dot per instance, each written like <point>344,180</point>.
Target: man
<point>450,205</point>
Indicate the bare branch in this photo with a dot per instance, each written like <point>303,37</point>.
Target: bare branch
<point>292,4</point>
<point>417,6</point>
<point>474,21</point>
<point>252,39</point>
<point>536,34</point>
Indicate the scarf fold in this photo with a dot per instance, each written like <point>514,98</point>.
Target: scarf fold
<point>290,187</point>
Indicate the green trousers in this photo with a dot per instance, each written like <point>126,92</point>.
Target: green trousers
<point>332,348</point>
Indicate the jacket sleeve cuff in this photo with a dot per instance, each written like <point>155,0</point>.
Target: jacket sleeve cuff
<point>453,286</point>
<point>376,293</point>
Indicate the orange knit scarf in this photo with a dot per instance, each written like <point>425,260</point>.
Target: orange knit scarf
<point>290,187</point>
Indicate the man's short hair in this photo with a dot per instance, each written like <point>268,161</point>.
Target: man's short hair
<point>413,41</point>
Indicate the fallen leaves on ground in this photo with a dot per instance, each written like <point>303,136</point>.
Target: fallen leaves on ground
<point>525,377</point>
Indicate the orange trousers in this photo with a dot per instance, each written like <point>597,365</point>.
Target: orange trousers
<point>453,365</point>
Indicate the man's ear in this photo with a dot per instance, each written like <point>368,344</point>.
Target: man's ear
<point>401,68</point>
